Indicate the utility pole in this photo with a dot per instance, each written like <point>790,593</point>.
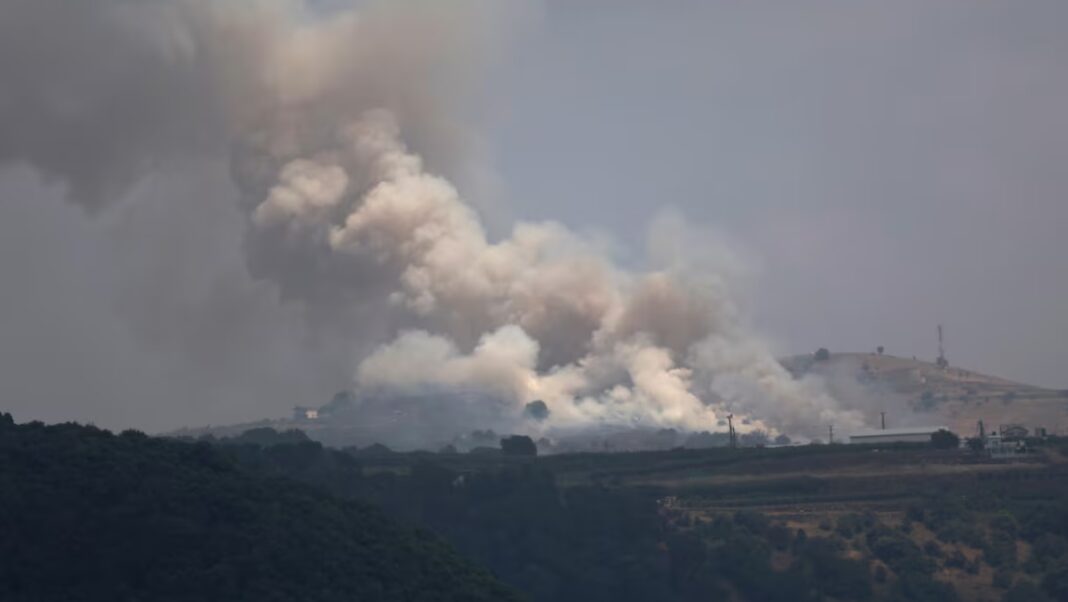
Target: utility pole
<point>830,433</point>
<point>730,429</point>
<point>882,416</point>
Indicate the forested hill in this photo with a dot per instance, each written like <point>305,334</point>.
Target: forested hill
<point>88,515</point>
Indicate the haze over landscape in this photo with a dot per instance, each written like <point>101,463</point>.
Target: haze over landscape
<point>545,300</point>
<point>188,234</point>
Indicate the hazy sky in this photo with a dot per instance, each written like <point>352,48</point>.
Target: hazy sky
<point>881,167</point>
<point>884,166</point>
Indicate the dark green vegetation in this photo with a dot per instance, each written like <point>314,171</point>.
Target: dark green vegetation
<point>518,445</point>
<point>943,439</point>
<point>905,522</point>
<point>259,517</point>
<point>87,515</point>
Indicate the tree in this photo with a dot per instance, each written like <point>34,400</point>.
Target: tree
<point>836,576</point>
<point>822,354</point>
<point>267,436</point>
<point>129,517</point>
<point>879,349</point>
<point>518,445</point>
<point>880,573</point>
<point>1055,583</point>
<point>537,410</point>
<point>943,439</point>
<point>1002,578</point>
<point>1025,591</point>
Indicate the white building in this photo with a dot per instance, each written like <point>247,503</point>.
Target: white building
<point>914,434</point>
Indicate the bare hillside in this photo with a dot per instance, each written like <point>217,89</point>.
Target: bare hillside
<point>913,391</point>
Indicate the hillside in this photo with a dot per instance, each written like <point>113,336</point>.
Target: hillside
<point>913,392</point>
<point>88,515</point>
<point>830,523</point>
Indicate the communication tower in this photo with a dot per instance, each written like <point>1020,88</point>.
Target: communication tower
<point>942,362</point>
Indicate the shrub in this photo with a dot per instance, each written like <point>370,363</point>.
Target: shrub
<point>850,524</point>
<point>1000,551</point>
<point>956,560</point>
<point>1055,583</point>
<point>779,536</point>
<point>880,573</point>
<point>1046,518</point>
<point>932,549</point>
<point>1048,548</point>
<point>1002,578</point>
<point>835,576</point>
<point>518,445</point>
<point>899,552</point>
<point>755,522</point>
<point>958,530</point>
<point>1025,591</point>
<point>1006,524</point>
<point>914,512</point>
<point>943,439</point>
<point>922,588</point>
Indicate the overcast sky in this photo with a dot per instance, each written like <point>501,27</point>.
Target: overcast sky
<point>884,166</point>
<point>881,167</point>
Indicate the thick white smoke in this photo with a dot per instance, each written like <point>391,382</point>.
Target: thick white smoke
<point>322,113</point>
<point>540,314</point>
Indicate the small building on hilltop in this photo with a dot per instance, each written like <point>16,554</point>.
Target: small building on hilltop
<point>913,434</point>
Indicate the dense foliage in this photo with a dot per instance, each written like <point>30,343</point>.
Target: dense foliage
<point>129,517</point>
<point>87,515</point>
<point>943,439</point>
<point>519,445</point>
<point>571,527</point>
<point>590,543</point>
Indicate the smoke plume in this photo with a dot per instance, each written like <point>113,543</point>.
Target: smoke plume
<point>337,129</point>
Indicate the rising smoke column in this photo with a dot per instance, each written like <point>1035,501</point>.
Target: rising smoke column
<point>540,314</point>
<point>318,112</point>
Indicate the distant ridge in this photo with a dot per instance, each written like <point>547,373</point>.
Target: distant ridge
<point>913,391</point>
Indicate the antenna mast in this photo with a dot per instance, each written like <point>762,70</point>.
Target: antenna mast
<point>941,361</point>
